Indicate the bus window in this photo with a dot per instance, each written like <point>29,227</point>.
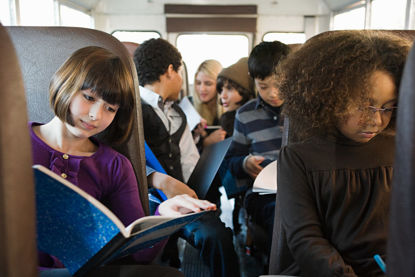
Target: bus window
<point>74,17</point>
<point>195,48</point>
<point>36,13</point>
<point>5,12</point>
<point>386,14</point>
<point>351,19</point>
<point>287,38</point>
<point>135,36</point>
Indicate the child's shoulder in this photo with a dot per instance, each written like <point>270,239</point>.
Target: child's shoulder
<point>248,106</point>
<point>108,155</point>
<point>309,147</point>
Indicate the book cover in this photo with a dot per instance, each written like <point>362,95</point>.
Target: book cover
<point>207,167</point>
<point>82,233</point>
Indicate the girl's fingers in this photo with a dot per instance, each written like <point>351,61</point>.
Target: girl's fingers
<point>195,204</point>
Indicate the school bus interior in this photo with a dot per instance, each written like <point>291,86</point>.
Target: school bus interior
<point>37,36</point>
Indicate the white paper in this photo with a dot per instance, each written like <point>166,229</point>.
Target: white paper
<point>266,181</point>
<point>193,117</point>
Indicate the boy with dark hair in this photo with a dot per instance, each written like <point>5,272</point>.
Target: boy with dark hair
<point>166,132</point>
<point>257,132</point>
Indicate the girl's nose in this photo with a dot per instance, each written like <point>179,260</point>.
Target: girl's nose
<point>377,118</point>
<point>95,111</point>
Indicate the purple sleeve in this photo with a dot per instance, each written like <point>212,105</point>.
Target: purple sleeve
<point>126,205</point>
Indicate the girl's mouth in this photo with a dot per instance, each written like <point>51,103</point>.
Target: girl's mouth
<point>369,134</point>
<point>87,125</point>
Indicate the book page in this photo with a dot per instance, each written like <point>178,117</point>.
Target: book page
<point>148,230</point>
<point>146,222</point>
<point>151,221</point>
<point>192,116</point>
<point>266,181</point>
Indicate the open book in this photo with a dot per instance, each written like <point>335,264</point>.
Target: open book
<point>192,116</point>
<point>266,181</point>
<point>83,233</point>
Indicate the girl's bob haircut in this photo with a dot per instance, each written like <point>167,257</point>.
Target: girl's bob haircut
<point>105,74</point>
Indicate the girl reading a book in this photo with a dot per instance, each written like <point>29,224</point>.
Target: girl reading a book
<point>334,178</point>
<point>92,92</point>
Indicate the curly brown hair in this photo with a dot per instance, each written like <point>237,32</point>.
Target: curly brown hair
<point>330,71</point>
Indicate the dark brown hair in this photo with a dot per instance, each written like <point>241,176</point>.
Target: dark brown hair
<point>105,74</point>
<point>331,71</point>
<point>222,82</point>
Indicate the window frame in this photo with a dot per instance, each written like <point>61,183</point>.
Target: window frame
<point>136,30</point>
<point>71,5</point>
<point>175,36</point>
<point>286,32</point>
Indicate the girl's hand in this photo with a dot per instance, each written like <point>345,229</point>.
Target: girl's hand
<point>214,137</point>
<point>169,185</point>
<point>184,204</point>
<point>252,165</point>
<point>200,128</point>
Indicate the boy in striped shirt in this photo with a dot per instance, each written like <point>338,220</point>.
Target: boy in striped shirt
<point>257,132</point>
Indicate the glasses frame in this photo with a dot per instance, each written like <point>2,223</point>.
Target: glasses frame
<point>382,111</point>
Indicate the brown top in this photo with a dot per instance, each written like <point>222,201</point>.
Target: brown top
<point>334,197</point>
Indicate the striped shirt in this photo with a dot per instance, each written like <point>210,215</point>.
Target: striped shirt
<point>257,131</point>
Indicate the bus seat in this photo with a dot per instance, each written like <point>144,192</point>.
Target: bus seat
<point>17,217</point>
<point>281,259</point>
<point>401,244</point>
<point>41,50</point>
<point>131,46</point>
<point>185,85</point>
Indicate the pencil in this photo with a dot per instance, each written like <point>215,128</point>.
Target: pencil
<point>380,262</point>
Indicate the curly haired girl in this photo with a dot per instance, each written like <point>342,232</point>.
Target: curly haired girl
<point>340,91</point>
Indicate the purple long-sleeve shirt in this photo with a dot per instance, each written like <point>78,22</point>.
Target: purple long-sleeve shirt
<point>106,175</point>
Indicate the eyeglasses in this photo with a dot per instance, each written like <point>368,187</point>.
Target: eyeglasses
<point>387,110</point>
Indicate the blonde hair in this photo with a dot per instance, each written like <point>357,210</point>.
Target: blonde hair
<point>208,111</point>
<point>105,74</point>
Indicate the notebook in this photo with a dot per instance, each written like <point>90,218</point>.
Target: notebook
<point>207,167</point>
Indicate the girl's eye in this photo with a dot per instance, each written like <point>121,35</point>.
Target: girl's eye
<point>88,97</point>
<point>389,109</point>
<point>111,109</point>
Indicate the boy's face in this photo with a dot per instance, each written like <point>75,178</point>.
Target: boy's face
<point>268,90</point>
<point>176,82</point>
